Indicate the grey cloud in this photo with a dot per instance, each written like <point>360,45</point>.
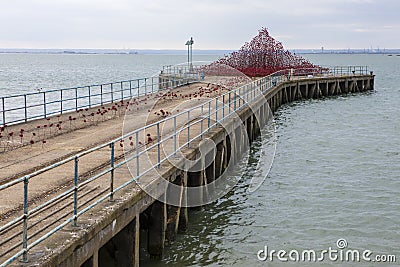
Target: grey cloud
<point>223,24</point>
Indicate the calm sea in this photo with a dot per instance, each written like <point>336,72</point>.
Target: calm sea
<point>336,173</point>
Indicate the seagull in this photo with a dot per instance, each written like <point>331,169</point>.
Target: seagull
<point>39,90</point>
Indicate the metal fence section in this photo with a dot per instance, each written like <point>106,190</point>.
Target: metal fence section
<point>25,107</point>
<point>193,122</point>
<point>348,70</point>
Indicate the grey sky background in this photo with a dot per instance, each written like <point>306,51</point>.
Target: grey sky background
<point>214,24</point>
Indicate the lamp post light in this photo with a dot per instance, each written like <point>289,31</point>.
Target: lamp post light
<point>190,53</point>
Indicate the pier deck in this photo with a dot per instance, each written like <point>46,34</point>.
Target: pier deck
<point>84,133</point>
<point>78,137</point>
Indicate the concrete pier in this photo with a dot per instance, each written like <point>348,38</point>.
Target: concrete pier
<point>109,235</point>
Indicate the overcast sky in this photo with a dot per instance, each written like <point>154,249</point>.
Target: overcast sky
<point>214,24</point>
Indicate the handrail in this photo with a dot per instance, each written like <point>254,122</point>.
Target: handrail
<point>19,108</point>
<point>211,115</point>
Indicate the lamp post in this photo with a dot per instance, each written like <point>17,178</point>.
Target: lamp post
<point>190,53</point>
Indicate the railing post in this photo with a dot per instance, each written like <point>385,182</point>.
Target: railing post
<point>76,98</point>
<point>61,101</point>
<point>202,119</point>
<point>44,105</point>
<point>90,96</point>
<point>138,86</point>
<point>145,86</point>
<point>248,94</point>
<point>112,93</point>
<point>112,161</point>
<point>76,190</point>
<point>175,147</point>
<point>122,91</point>
<point>234,101</point>
<point>101,94</point>
<point>216,110</point>
<point>209,115</point>
<point>240,97</point>
<point>229,102</point>
<point>188,138</point>
<point>130,88</point>
<point>158,145</point>
<point>251,92</point>
<point>137,154</point>
<point>25,222</point>
<point>4,110</point>
<point>25,109</point>
<point>254,89</point>
<point>223,107</point>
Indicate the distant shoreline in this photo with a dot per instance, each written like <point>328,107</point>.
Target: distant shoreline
<point>111,52</point>
<point>182,52</point>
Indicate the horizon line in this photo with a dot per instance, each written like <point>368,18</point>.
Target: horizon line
<point>176,49</point>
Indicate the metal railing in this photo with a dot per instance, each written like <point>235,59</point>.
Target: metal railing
<point>181,69</point>
<point>25,107</point>
<point>349,70</point>
<point>194,122</point>
<point>332,70</point>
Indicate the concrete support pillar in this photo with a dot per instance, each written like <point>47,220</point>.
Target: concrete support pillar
<point>120,250</point>
<point>173,212</point>
<point>325,92</point>
<point>237,141</point>
<point>157,226</point>
<point>256,126</point>
<point>183,215</point>
<point>196,179</point>
<point>273,103</point>
<point>173,215</point>
<point>305,95</point>
<point>265,113</point>
<point>95,258</point>
<point>299,93</point>
<point>219,160</point>
<point>230,150</point>
<point>261,115</point>
<point>210,167</point>
<point>341,88</point>
<point>286,96</point>
<point>293,93</point>
<point>249,128</point>
<point>137,240</point>
<point>318,92</point>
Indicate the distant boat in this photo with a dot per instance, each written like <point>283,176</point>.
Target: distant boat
<point>397,55</point>
<point>390,55</point>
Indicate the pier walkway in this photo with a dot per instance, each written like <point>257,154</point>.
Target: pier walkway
<point>57,171</point>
